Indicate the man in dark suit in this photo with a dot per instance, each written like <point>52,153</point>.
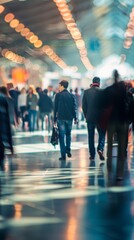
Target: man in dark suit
<point>64,113</point>
<point>92,111</point>
<point>14,95</point>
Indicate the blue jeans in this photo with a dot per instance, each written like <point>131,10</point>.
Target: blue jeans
<point>91,135</point>
<point>32,119</point>
<point>65,127</point>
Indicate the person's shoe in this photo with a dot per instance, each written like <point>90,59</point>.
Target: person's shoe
<point>62,158</point>
<point>69,155</point>
<point>101,155</point>
<point>119,178</point>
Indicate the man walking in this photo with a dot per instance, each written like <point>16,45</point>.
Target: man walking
<point>64,113</point>
<point>91,105</point>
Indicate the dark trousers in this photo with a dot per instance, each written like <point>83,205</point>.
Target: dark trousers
<point>91,138</point>
<point>23,109</point>
<point>1,151</point>
<point>42,116</point>
<point>121,129</point>
<point>65,127</point>
<point>32,119</point>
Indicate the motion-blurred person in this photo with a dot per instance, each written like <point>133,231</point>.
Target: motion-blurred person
<point>64,113</point>
<point>11,108</point>
<point>92,110</point>
<point>5,129</point>
<point>39,92</point>
<point>78,103</point>
<point>32,106</point>
<point>45,107</point>
<point>14,95</point>
<point>115,97</point>
<point>22,105</point>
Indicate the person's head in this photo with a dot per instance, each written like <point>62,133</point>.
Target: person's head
<point>38,89</point>
<point>46,91</point>
<point>32,89</point>
<point>63,85</point>
<point>10,85</point>
<point>76,90</point>
<point>115,76</point>
<point>4,91</point>
<point>96,81</point>
<point>23,90</point>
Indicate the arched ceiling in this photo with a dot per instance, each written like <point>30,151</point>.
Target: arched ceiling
<point>102,24</point>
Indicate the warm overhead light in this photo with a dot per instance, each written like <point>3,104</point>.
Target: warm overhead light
<point>72,27</point>
<point>33,39</point>
<point>9,17</point>
<point>38,44</point>
<point>2,8</point>
<point>14,23</point>
<point>24,32</point>
<point>29,35</point>
<point>3,52</point>
<point>20,27</point>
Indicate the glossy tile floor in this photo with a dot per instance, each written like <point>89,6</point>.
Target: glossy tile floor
<point>45,199</point>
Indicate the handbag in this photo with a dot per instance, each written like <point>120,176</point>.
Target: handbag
<point>55,136</point>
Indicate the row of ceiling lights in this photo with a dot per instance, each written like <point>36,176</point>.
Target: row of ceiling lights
<point>74,31</point>
<point>13,56</point>
<point>53,56</point>
<point>129,33</point>
<point>32,38</point>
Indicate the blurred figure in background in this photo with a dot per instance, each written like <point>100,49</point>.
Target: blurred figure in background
<point>115,97</point>
<point>14,95</point>
<point>45,107</point>
<point>78,104</point>
<point>5,129</point>
<point>22,105</point>
<point>11,108</point>
<point>39,92</point>
<point>32,106</point>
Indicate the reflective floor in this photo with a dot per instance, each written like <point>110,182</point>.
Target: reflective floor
<point>43,198</point>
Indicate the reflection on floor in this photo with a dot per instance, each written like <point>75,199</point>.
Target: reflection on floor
<point>43,198</point>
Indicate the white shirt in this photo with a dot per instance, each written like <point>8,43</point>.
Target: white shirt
<point>22,100</point>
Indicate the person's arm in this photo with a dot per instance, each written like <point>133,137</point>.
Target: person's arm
<point>75,109</point>
<point>84,105</point>
<point>56,102</point>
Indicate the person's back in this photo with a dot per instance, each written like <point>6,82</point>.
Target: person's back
<point>65,108</point>
<point>64,112</point>
<point>45,103</point>
<point>91,105</point>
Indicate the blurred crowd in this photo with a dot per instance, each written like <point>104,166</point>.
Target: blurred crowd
<point>110,111</point>
<point>33,108</point>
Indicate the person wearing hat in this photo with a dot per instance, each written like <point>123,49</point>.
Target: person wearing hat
<point>92,110</point>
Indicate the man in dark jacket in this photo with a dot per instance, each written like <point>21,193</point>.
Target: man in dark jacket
<point>92,111</point>
<point>5,130</point>
<point>14,95</point>
<point>64,113</point>
<point>46,107</point>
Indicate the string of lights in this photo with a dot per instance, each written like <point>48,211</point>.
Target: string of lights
<point>74,31</point>
<point>31,37</point>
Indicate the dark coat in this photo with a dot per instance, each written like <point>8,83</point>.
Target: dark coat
<point>119,99</point>
<point>45,103</point>
<point>91,104</point>
<point>65,106</point>
<point>5,129</point>
<point>14,95</point>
